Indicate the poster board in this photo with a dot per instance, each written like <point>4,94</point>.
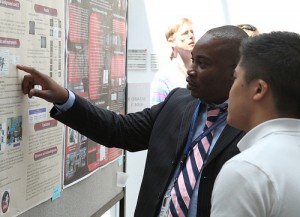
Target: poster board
<point>82,46</point>
<point>89,198</point>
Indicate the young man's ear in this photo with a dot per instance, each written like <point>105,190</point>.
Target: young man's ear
<point>261,88</point>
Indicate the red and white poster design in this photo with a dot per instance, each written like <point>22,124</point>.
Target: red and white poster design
<point>96,54</point>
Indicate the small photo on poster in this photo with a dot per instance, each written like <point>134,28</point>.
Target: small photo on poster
<point>70,165</point>
<point>72,136</point>
<point>5,199</point>
<point>4,61</point>
<point>31,27</point>
<point>82,157</point>
<point>2,136</point>
<point>43,42</point>
<point>14,132</point>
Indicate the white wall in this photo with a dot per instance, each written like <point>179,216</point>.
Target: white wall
<point>147,20</point>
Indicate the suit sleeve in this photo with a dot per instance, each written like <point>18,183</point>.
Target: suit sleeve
<point>130,132</point>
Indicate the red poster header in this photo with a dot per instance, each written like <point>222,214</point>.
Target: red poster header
<point>45,124</point>
<point>10,4</point>
<point>9,42</point>
<point>45,10</point>
<point>45,153</point>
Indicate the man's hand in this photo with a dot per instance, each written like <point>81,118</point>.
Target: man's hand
<point>51,91</point>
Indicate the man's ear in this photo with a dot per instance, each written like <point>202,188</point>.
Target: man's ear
<point>171,41</point>
<point>261,89</point>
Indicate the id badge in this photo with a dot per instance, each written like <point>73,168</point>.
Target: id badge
<point>165,206</point>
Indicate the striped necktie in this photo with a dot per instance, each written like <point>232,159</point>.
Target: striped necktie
<point>182,190</point>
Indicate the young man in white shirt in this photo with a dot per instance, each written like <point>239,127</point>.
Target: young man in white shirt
<point>263,180</point>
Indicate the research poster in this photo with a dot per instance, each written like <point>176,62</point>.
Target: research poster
<point>95,69</point>
<point>32,33</point>
<point>82,46</point>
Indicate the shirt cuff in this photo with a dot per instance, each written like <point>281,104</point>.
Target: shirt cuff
<point>68,104</point>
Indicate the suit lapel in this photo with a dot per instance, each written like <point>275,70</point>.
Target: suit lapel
<point>227,136</point>
<point>185,125</point>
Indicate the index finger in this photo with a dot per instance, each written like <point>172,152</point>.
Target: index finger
<point>27,69</point>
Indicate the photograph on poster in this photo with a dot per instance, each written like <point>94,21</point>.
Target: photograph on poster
<point>4,61</point>
<point>14,131</point>
<point>5,202</point>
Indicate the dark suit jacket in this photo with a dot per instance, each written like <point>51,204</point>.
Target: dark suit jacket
<point>163,130</point>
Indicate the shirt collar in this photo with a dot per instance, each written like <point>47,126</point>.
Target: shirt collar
<point>222,106</point>
<point>265,129</point>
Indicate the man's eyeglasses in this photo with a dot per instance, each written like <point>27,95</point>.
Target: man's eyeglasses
<point>247,27</point>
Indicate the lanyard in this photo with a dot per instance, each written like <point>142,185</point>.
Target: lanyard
<point>190,144</point>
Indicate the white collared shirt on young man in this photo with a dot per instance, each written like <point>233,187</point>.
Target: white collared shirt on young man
<point>264,179</point>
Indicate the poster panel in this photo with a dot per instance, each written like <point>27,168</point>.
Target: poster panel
<point>96,54</point>
<point>31,143</point>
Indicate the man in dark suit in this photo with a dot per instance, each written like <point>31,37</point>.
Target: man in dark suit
<point>164,129</point>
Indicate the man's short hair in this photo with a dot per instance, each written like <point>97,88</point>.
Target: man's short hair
<point>275,58</point>
<point>173,28</point>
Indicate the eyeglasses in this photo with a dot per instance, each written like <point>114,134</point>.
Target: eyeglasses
<point>247,27</point>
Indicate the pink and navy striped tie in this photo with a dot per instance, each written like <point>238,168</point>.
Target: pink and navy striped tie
<point>182,190</point>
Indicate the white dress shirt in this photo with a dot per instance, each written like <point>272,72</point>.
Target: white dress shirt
<point>264,179</point>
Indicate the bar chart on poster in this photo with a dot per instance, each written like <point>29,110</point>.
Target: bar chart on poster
<point>45,166</point>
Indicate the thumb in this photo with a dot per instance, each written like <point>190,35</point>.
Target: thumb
<point>43,94</point>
